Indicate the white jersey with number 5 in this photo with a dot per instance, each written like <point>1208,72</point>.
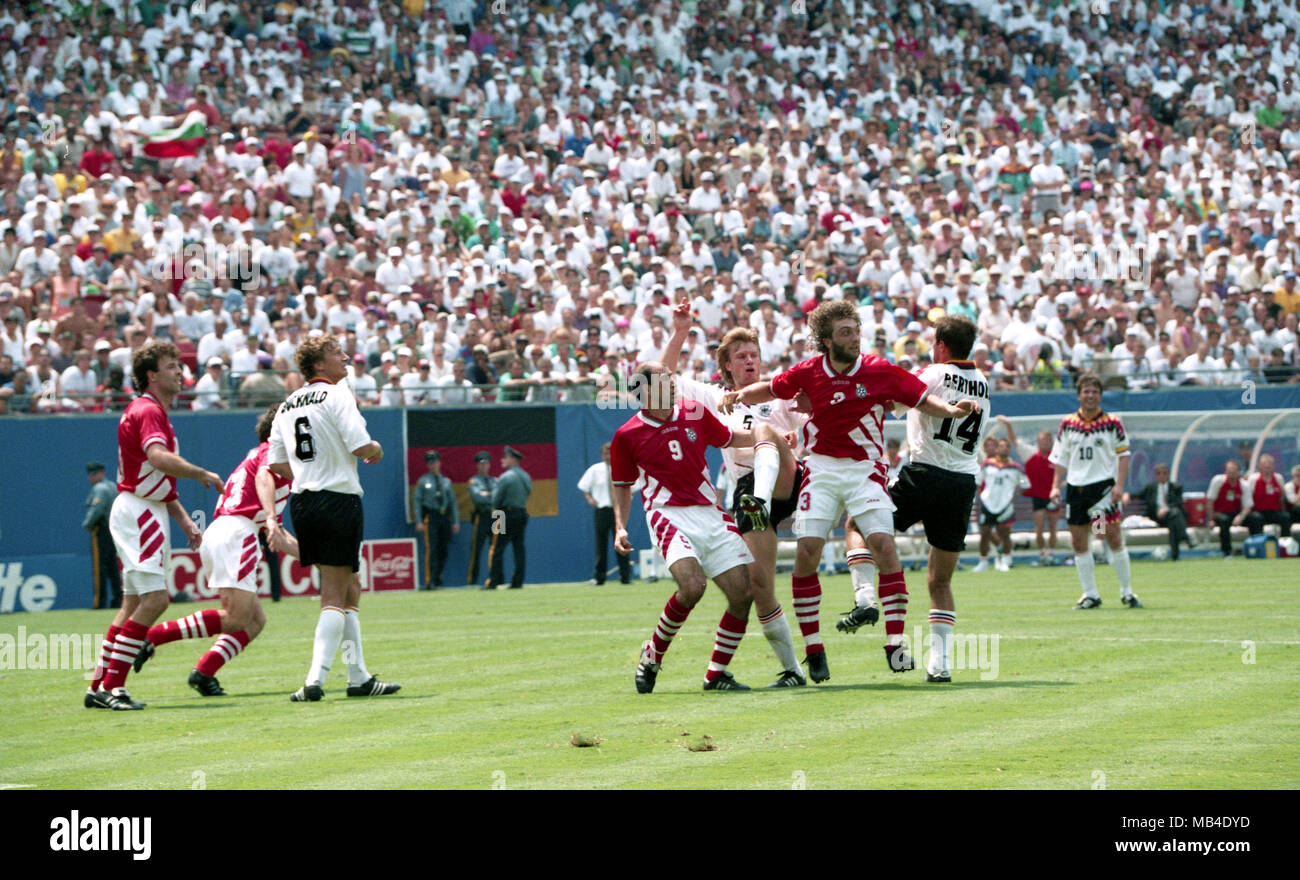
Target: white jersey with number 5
<point>315,431</point>
<point>951,444</point>
<point>743,417</point>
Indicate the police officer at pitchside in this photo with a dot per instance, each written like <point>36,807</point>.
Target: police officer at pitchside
<point>436,517</point>
<point>481,487</point>
<point>511,498</point>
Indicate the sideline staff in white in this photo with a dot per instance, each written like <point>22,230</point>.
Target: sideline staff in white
<point>597,487</point>
<point>322,426</point>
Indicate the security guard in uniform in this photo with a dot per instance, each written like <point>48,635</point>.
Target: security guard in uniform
<point>481,487</point>
<point>511,498</point>
<point>103,553</point>
<point>436,517</point>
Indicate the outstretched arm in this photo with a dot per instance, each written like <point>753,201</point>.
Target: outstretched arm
<point>942,409</point>
<point>681,328</point>
<point>759,392</point>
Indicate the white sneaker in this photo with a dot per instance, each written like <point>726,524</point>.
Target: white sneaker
<point>983,566</point>
<point>1004,565</point>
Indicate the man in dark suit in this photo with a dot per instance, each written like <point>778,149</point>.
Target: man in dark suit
<point>1164,503</point>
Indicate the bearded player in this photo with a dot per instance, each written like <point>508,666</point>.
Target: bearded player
<point>233,555</point>
<point>767,475</point>
<point>850,393</point>
<point>665,442</point>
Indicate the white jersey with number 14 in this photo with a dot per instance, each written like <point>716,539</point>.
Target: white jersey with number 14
<point>953,444</point>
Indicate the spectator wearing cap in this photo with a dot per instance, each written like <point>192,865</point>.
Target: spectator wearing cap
<point>364,387</point>
<point>208,390</point>
<point>105,575</point>
<point>418,387</point>
<point>510,497</point>
<point>437,517</point>
<point>77,381</point>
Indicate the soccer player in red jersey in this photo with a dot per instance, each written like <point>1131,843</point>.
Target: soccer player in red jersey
<point>850,394</point>
<point>148,466</point>
<point>232,555</point>
<point>665,442</point>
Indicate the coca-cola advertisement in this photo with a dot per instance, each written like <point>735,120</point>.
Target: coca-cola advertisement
<point>385,565</point>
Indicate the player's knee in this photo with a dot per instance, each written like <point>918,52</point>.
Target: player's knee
<point>807,554</point>
<point>690,591</point>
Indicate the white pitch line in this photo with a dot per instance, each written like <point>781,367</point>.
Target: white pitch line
<point>8,785</point>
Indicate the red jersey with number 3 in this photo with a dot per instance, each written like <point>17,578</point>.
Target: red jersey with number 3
<point>848,409</point>
<point>144,423</point>
<point>240,498</point>
<point>670,454</point>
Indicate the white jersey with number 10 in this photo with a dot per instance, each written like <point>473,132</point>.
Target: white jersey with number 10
<point>952,444</point>
<point>315,431</point>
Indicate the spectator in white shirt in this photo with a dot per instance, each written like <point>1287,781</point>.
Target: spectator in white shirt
<point>78,380</point>
<point>207,391</point>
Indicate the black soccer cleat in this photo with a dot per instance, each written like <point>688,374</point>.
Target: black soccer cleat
<point>118,700</point>
<point>646,672</point>
<point>308,693</point>
<point>898,658</point>
<point>725,682</point>
<point>790,678</point>
<point>818,668</point>
<point>207,685</point>
<point>373,688</point>
<point>930,676</point>
<point>1087,602</point>
<point>861,615</point>
<point>1131,601</point>
<point>90,702</point>
<point>143,656</point>
<point>756,510</point>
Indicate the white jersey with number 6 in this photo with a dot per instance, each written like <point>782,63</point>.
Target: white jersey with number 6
<point>951,444</point>
<point>315,431</point>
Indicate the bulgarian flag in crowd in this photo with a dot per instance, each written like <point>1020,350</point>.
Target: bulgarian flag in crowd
<point>184,140</point>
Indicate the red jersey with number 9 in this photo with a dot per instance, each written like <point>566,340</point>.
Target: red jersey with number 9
<point>848,409</point>
<point>144,423</point>
<point>670,454</point>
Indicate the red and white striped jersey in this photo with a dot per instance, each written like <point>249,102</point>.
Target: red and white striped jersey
<point>670,455</point>
<point>848,409</point>
<point>144,423</point>
<point>777,413</point>
<point>240,498</point>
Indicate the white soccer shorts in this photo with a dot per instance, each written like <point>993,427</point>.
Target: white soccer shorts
<point>701,532</point>
<point>231,554</point>
<point>835,485</point>
<point>141,531</point>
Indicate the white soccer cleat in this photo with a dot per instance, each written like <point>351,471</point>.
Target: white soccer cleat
<point>1004,565</point>
<point>983,566</point>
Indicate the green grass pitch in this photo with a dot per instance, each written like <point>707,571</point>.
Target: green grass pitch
<point>496,685</point>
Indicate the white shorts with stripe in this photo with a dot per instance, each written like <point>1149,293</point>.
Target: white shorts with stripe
<point>141,532</point>
<point>835,485</point>
<point>701,532</point>
<point>231,554</point>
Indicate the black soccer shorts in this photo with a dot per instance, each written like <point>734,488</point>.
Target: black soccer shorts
<point>781,509</point>
<point>939,499</point>
<point>1083,504</point>
<point>329,527</point>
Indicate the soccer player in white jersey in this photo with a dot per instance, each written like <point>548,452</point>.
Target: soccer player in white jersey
<point>232,556</point>
<point>850,393</point>
<point>937,486</point>
<point>1000,479</point>
<point>766,476</point>
<point>316,439</point>
<point>148,465</point>
<point>1091,457</point>
<point>665,442</point>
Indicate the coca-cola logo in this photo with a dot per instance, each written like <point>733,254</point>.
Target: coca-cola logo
<point>389,564</point>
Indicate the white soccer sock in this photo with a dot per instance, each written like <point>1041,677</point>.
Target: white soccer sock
<point>1120,562</point>
<point>1083,565</point>
<point>767,464</point>
<point>862,570</point>
<point>329,632</point>
<point>941,627</point>
<point>777,631</point>
<point>352,655</point>
<point>984,560</point>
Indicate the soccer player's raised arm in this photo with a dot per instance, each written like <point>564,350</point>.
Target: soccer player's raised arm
<point>681,328</point>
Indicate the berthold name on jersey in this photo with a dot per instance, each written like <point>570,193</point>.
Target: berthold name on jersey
<point>962,385</point>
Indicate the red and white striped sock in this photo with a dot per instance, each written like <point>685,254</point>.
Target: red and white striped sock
<point>807,591</point>
<point>893,605</point>
<point>731,629</point>
<point>105,652</point>
<point>130,638</point>
<point>223,650</point>
<point>671,620</point>
<point>198,625</point>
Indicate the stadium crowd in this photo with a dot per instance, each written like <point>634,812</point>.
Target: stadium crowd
<point>501,201</point>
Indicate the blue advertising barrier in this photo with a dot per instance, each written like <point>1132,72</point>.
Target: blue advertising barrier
<point>45,555</point>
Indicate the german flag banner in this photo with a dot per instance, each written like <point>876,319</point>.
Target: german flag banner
<point>460,434</point>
